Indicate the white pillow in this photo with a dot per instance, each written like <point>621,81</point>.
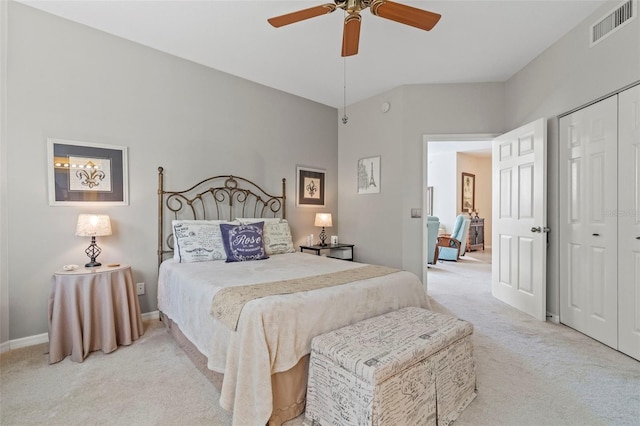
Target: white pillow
<point>277,238</point>
<point>198,240</point>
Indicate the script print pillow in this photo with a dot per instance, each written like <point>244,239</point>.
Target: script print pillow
<point>277,238</point>
<point>198,240</point>
<point>243,242</point>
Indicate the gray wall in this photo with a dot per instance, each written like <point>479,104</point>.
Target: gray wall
<point>568,75</point>
<point>381,224</point>
<point>440,109</point>
<point>372,221</point>
<point>68,81</point>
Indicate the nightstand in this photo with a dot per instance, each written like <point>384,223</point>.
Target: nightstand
<point>336,251</point>
<point>92,309</point>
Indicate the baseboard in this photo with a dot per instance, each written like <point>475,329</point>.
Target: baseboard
<point>44,337</point>
<point>29,341</point>
<point>154,315</point>
<point>553,318</point>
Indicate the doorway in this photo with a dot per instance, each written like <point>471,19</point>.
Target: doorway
<point>518,207</point>
<point>445,158</point>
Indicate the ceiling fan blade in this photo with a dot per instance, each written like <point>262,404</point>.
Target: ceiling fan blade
<point>351,34</point>
<point>404,14</point>
<point>301,15</point>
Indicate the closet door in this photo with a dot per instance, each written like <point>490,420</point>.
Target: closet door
<point>588,234</point>
<point>629,222</point>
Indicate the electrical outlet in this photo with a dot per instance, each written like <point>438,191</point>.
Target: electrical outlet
<point>140,287</point>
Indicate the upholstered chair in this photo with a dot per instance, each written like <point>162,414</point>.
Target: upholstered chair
<point>433,224</point>
<point>454,245</point>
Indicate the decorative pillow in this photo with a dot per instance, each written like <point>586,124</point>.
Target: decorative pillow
<point>277,238</point>
<point>243,242</point>
<point>198,240</point>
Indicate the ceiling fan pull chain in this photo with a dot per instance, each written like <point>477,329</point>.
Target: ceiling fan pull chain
<point>345,118</point>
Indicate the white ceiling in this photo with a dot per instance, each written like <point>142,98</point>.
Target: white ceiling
<point>475,41</point>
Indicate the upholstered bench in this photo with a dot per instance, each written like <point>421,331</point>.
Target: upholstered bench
<point>408,367</point>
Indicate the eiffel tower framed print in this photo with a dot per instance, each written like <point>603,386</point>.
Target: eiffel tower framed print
<point>369,175</point>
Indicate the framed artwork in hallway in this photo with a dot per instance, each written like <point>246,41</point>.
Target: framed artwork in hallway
<point>468,192</point>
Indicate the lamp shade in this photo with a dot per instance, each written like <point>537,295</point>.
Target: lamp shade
<point>323,219</point>
<point>93,225</point>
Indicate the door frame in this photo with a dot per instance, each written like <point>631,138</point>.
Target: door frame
<point>443,137</point>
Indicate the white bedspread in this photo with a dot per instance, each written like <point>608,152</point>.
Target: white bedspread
<point>274,332</point>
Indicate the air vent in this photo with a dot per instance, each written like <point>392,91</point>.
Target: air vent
<point>613,21</point>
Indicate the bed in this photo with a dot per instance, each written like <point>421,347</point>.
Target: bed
<point>248,323</point>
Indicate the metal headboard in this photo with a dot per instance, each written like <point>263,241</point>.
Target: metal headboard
<point>220,197</point>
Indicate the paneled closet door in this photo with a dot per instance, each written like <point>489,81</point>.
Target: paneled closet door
<point>588,225</point>
<point>629,222</point>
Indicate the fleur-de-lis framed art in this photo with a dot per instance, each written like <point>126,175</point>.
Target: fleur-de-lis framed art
<point>83,172</point>
<point>310,187</point>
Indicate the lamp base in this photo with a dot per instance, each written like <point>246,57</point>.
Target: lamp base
<point>93,251</point>
<point>323,238</point>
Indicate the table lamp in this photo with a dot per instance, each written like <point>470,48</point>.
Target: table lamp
<point>323,219</point>
<point>93,225</point>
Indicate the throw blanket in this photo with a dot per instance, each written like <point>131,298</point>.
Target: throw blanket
<point>228,302</point>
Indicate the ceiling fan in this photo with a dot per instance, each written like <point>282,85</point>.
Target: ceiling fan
<point>401,13</point>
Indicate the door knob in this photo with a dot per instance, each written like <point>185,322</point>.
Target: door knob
<point>540,229</point>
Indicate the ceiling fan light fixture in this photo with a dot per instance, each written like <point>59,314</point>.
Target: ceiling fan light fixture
<point>401,13</point>
<point>355,6</point>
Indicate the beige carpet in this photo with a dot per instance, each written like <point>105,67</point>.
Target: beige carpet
<point>151,382</point>
<point>529,373</point>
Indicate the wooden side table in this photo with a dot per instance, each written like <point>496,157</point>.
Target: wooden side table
<point>476,235</point>
<point>336,251</point>
<point>92,309</point>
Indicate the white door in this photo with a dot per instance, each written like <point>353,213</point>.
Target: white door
<point>588,223</point>
<point>629,222</point>
<point>519,258</point>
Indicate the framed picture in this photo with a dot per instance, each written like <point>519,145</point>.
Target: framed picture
<point>369,175</point>
<point>310,187</point>
<point>81,173</point>
<point>468,192</point>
